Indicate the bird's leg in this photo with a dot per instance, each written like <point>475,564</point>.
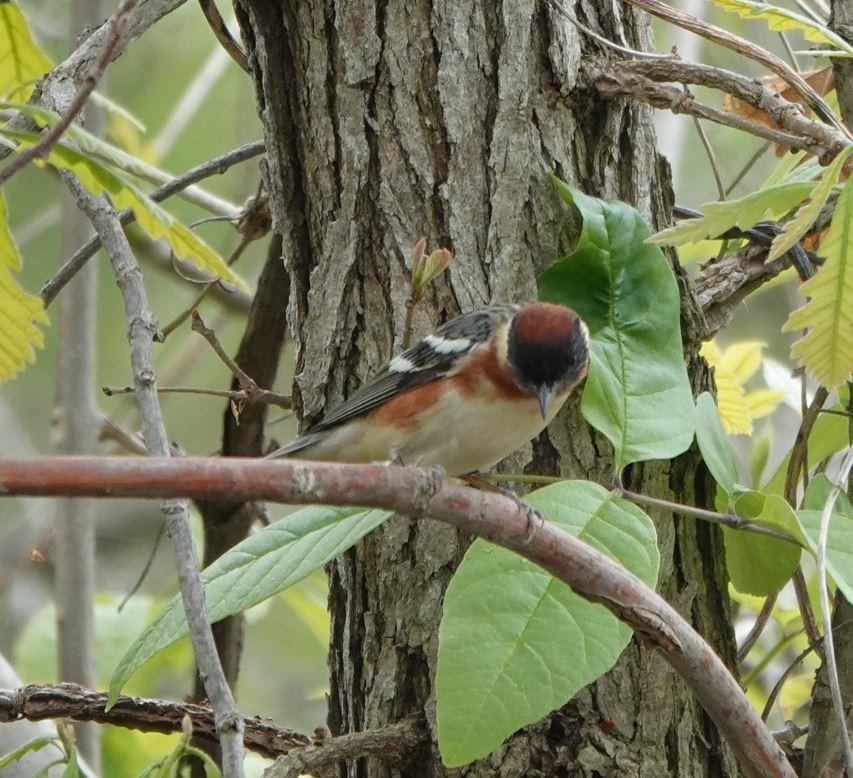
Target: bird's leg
<point>534,518</point>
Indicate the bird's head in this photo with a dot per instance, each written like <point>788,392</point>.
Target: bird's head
<point>548,350</point>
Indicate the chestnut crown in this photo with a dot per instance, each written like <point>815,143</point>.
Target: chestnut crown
<point>548,349</point>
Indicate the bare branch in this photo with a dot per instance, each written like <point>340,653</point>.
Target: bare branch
<point>634,78</point>
<point>760,623</point>
<point>141,331</point>
<point>421,494</point>
<point>747,49</point>
<point>46,142</point>
<point>215,166</point>
<point>56,89</point>
<point>388,743</point>
<point>68,700</point>
<point>223,34</point>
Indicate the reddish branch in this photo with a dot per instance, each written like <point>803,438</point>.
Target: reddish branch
<point>68,700</point>
<point>419,494</point>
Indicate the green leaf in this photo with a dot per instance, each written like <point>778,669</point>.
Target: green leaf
<point>783,20</point>
<point>262,565</point>
<point>817,493</point>
<point>808,213</point>
<point>155,221</point>
<point>20,313</point>
<point>827,348</point>
<point>713,443</point>
<point>839,544</point>
<point>36,744</point>
<point>757,564</point>
<point>744,212</point>
<point>637,392</point>
<point>828,436</point>
<point>516,643</point>
<point>21,59</point>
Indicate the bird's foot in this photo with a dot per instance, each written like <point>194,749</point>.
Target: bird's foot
<point>533,517</point>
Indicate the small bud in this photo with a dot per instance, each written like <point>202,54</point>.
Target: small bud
<point>35,555</point>
<point>426,268</point>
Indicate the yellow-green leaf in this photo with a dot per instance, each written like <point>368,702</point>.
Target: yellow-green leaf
<point>808,213</point>
<point>762,402</point>
<point>20,313</point>
<point>783,20</point>
<point>21,59</point>
<point>827,348</point>
<point>155,221</point>
<point>742,359</point>
<point>744,212</point>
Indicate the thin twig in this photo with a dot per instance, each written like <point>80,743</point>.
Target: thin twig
<point>838,486</point>
<point>777,687</point>
<point>208,285</point>
<point>141,330</point>
<point>557,5</point>
<point>790,52</point>
<point>155,546</point>
<point>747,49</point>
<point>726,519</point>
<point>760,623</point>
<point>47,141</point>
<point>223,34</point>
<point>255,395</point>
<point>750,163</point>
<point>215,166</point>
<point>796,464</point>
<point>198,325</point>
<point>712,158</point>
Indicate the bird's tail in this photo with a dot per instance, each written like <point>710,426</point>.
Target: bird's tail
<point>296,447</point>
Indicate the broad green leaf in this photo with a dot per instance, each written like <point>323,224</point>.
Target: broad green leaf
<point>757,564</point>
<point>20,313</point>
<point>21,59</point>
<point>515,643</point>
<point>155,221</point>
<point>827,348</point>
<point>839,544</point>
<point>262,565</point>
<point>36,744</point>
<point>713,443</point>
<point>808,213</point>
<point>783,20</point>
<point>744,212</point>
<point>637,392</point>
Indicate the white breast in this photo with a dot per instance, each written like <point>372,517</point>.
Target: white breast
<point>463,438</point>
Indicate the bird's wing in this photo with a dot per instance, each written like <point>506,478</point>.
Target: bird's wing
<point>434,356</point>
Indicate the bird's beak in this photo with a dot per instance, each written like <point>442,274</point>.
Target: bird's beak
<point>545,395</point>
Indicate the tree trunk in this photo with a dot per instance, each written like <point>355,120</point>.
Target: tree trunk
<point>388,122</point>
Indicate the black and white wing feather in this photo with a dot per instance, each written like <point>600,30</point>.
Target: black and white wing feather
<point>434,356</point>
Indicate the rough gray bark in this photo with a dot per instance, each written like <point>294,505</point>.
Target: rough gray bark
<point>387,122</point>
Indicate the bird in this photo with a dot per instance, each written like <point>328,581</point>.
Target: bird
<point>465,397</point>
